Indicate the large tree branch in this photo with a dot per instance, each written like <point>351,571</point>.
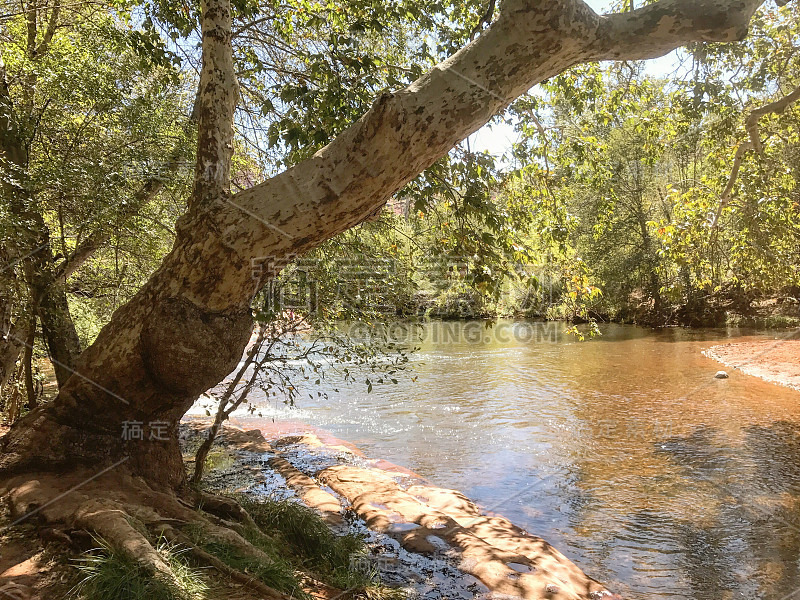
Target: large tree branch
<point>776,107</point>
<point>486,19</point>
<point>52,24</point>
<point>658,28</point>
<point>407,131</point>
<point>83,252</point>
<point>31,15</point>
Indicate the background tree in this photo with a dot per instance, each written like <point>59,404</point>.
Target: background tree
<point>675,196</point>
<point>85,120</point>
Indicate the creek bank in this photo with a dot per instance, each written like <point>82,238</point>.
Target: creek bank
<point>776,361</point>
<point>434,543</point>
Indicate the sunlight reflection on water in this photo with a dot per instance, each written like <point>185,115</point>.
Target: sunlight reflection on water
<point>663,481</point>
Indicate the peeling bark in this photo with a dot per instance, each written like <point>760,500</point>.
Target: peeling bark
<point>217,96</point>
<point>659,28</point>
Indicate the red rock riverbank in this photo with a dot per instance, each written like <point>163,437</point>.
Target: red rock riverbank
<point>335,478</point>
<point>776,361</point>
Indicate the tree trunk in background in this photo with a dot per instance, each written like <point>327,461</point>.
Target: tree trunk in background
<point>10,352</point>
<point>12,156</point>
<point>186,329</point>
<point>58,329</point>
<point>10,332</point>
<point>27,363</point>
<point>653,285</point>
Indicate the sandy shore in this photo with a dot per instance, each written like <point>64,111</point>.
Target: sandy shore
<point>776,361</point>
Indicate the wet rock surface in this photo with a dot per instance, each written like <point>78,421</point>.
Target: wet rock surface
<point>433,542</point>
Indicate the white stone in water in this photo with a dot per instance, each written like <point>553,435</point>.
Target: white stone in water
<point>721,375</point>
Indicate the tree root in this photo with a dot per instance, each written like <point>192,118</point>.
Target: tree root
<point>113,525</point>
<point>127,515</point>
<point>224,508</point>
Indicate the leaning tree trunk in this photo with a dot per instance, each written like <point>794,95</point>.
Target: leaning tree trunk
<point>188,326</point>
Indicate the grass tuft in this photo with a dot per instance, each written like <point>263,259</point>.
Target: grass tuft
<point>277,573</point>
<point>110,575</point>
<point>304,531</point>
<point>297,540</point>
<point>380,592</point>
<point>338,560</point>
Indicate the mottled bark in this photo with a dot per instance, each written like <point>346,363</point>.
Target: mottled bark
<point>257,355</point>
<point>188,326</point>
<point>215,105</point>
<point>660,27</point>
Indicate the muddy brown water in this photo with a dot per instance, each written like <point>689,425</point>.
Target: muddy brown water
<point>624,452</point>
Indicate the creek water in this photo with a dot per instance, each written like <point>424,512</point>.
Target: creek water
<point>622,451</point>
